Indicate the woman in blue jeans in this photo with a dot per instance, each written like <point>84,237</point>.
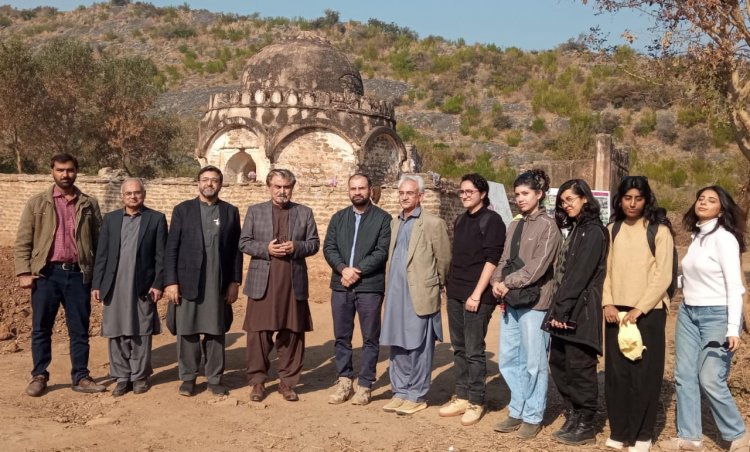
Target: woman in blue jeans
<point>526,264</point>
<point>709,321</point>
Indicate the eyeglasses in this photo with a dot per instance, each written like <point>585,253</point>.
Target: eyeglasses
<point>569,201</point>
<point>468,193</point>
<point>128,194</point>
<point>206,180</point>
<point>408,194</point>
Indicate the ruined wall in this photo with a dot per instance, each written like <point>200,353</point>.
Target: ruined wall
<point>164,194</point>
<point>316,156</point>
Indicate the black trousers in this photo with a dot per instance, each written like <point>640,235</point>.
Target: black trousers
<point>632,388</point>
<point>573,368</point>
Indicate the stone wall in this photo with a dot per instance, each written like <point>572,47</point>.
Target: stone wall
<point>164,194</point>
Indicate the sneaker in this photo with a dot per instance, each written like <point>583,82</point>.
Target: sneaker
<point>409,407</point>
<point>218,389</point>
<point>528,431</point>
<point>510,424</point>
<point>141,386</point>
<point>89,386</point>
<point>741,444</point>
<point>614,444</point>
<point>680,444</point>
<point>456,407</point>
<point>472,415</point>
<point>362,396</point>
<point>342,391</point>
<point>122,388</point>
<point>640,446</point>
<point>37,386</point>
<point>187,388</point>
<point>391,406</point>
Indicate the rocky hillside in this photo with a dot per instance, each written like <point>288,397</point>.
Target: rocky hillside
<point>455,102</point>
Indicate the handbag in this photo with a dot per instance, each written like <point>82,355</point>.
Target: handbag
<point>524,297</point>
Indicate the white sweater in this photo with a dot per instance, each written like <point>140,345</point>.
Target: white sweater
<point>712,275</point>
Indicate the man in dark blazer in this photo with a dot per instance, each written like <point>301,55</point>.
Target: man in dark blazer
<point>278,235</point>
<point>202,274</point>
<point>128,280</point>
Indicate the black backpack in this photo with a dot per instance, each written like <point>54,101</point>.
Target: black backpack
<point>651,231</point>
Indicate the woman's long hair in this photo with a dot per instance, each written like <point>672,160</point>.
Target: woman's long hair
<point>590,209</point>
<point>731,216</point>
<point>651,211</point>
<point>535,179</point>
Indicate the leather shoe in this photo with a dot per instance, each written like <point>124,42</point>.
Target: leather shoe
<point>141,386</point>
<point>89,386</point>
<point>256,395</point>
<point>122,388</point>
<point>187,388</point>
<point>218,389</point>
<point>288,393</point>
<point>37,386</point>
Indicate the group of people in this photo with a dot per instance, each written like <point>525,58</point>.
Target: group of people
<point>568,289</point>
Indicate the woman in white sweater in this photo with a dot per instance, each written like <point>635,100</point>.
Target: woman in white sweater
<point>709,321</point>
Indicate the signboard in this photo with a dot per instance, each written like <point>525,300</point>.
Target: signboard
<point>499,202</point>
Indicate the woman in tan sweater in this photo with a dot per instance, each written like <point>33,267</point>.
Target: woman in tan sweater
<point>639,273</point>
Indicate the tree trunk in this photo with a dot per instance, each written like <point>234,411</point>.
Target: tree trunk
<point>743,198</point>
<point>17,151</point>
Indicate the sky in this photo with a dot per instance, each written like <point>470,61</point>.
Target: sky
<point>527,24</point>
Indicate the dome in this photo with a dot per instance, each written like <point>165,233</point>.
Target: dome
<point>302,63</point>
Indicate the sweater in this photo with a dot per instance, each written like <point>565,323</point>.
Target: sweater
<point>635,277</point>
<point>712,275</point>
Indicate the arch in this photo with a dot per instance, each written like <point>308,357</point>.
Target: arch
<point>238,166</point>
<point>230,123</point>
<point>316,155</point>
<point>308,123</point>
<point>382,155</point>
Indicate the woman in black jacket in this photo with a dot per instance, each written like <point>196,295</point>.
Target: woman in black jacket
<point>574,319</point>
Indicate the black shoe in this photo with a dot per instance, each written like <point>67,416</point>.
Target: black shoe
<point>141,386</point>
<point>187,388</point>
<point>571,420</point>
<point>217,389</point>
<point>122,388</point>
<point>583,433</point>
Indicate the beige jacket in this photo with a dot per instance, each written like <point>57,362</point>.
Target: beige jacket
<point>36,231</point>
<point>540,240</point>
<point>428,260</point>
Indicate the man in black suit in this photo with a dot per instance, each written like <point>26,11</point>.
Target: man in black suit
<point>202,274</point>
<point>128,280</point>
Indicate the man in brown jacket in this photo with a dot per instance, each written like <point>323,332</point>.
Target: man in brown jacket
<point>420,255</point>
<point>54,257</point>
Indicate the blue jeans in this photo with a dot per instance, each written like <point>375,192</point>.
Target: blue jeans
<point>56,286</point>
<point>522,359</point>
<point>702,361</point>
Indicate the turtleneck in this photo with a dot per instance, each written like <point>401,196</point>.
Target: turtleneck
<point>712,274</point>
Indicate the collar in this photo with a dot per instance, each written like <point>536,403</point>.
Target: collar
<point>477,213</point>
<point>367,209</point>
<point>57,193</point>
<point>416,213</point>
<point>136,214</point>
<point>707,227</point>
<point>535,215</point>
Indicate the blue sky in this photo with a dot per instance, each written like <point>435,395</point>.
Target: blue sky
<point>528,24</point>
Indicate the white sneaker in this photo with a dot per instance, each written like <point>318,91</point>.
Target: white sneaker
<point>640,446</point>
<point>612,444</point>
<point>342,391</point>
<point>455,407</point>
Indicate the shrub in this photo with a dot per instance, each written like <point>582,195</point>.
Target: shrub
<point>513,138</point>
<point>688,117</point>
<point>577,142</point>
<point>666,130</point>
<point>500,120</point>
<point>537,125</point>
<point>646,124</point>
<point>694,139</point>
<point>453,105</point>
<point>721,134</point>
<point>406,132</point>
<point>470,118</point>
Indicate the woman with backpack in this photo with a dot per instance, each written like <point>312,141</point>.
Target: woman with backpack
<point>478,238</point>
<point>709,321</point>
<point>639,275</point>
<point>574,319</point>
<point>523,281</point>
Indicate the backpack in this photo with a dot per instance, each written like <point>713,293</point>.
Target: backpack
<point>651,231</point>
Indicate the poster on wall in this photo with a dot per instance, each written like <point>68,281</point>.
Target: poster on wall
<point>601,195</point>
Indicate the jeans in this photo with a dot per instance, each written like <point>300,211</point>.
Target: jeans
<point>344,306</point>
<point>56,286</point>
<point>467,330</point>
<point>522,360</point>
<point>703,362</point>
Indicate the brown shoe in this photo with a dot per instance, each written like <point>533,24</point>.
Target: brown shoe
<point>288,393</point>
<point>37,386</point>
<point>88,386</point>
<point>258,392</point>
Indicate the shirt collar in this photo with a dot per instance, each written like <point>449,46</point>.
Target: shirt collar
<point>57,193</point>
<point>414,213</point>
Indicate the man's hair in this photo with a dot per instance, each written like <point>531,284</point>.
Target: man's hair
<point>362,175</point>
<point>63,158</point>
<point>133,179</point>
<point>414,178</point>
<point>282,173</point>
<point>211,168</point>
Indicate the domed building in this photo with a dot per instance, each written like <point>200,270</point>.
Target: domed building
<point>301,106</point>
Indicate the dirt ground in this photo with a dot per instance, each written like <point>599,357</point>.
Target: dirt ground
<point>161,420</point>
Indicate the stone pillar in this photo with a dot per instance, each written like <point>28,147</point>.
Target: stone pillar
<point>603,162</point>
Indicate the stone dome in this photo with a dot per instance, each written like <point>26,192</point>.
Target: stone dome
<point>303,63</point>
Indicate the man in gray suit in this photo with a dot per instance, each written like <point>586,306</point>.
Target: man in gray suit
<point>278,235</point>
<point>128,280</point>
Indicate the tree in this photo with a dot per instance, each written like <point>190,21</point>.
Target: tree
<point>710,39</point>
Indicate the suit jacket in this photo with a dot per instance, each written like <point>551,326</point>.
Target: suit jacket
<point>185,257</point>
<point>428,260</point>
<point>257,233</point>
<point>149,267</point>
